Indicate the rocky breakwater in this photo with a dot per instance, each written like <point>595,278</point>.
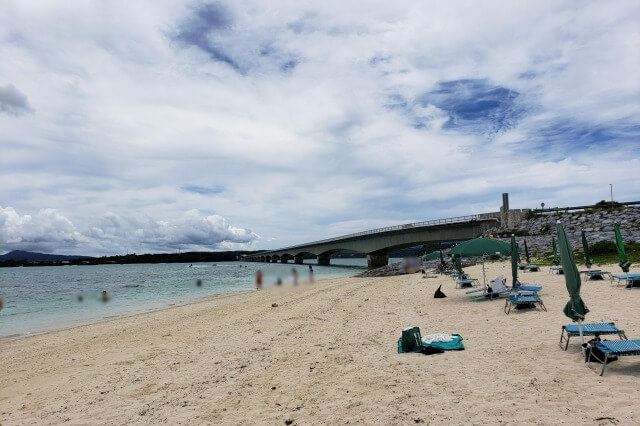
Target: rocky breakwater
<point>597,224</point>
<point>396,268</point>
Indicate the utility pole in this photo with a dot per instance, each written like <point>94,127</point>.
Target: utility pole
<point>611,185</point>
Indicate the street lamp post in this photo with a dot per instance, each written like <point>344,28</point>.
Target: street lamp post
<point>611,185</point>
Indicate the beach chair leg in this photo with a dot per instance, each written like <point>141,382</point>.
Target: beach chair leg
<point>603,361</point>
<point>544,308</point>
<point>622,335</point>
<point>564,340</point>
<point>604,364</point>
<point>507,307</point>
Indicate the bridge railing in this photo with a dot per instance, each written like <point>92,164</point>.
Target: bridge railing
<point>434,222</point>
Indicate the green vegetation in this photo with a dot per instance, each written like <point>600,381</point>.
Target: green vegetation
<point>607,203</point>
<point>546,229</point>
<point>603,247</point>
<point>509,232</point>
<point>600,253</point>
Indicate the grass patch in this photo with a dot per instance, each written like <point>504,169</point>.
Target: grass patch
<point>600,258</point>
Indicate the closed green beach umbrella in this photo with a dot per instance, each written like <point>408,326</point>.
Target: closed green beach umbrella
<point>514,261</point>
<point>526,252</point>
<point>585,248</point>
<point>624,262</point>
<point>444,265</point>
<point>575,307</point>
<point>556,260</point>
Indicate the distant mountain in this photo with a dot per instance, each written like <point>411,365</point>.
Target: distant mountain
<point>36,257</point>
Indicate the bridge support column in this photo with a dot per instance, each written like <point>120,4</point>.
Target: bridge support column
<point>298,260</point>
<point>377,260</point>
<point>323,259</point>
<point>284,260</point>
<point>274,260</point>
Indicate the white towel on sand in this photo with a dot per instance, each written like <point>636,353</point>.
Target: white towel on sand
<point>440,337</point>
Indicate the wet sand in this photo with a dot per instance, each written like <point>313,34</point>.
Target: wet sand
<point>327,354</point>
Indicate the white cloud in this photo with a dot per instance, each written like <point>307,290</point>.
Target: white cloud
<point>50,231</point>
<point>128,116</point>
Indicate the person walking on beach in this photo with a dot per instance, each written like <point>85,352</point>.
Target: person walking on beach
<point>310,274</point>
<point>259,279</point>
<point>294,273</point>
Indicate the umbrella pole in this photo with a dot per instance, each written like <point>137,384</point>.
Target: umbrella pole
<point>581,336</point>
<point>484,276</point>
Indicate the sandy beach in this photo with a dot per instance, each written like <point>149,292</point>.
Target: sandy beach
<point>326,354</point>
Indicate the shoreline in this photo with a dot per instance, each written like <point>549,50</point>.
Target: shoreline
<point>12,337</point>
<point>150,306</point>
<point>327,353</point>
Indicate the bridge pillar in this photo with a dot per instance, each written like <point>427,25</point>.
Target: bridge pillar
<point>377,260</point>
<point>323,259</point>
<point>274,260</point>
<point>284,260</point>
<point>298,260</point>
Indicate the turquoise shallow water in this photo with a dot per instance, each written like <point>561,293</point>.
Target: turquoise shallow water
<point>44,298</point>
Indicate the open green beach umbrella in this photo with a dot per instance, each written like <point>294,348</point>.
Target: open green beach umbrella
<point>575,307</point>
<point>514,261</point>
<point>526,252</point>
<point>480,247</point>
<point>585,248</point>
<point>556,260</point>
<point>431,256</point>
<point>624,262</point>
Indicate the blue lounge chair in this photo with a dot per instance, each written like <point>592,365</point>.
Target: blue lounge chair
<point>529,287</point>
<point>557,269</point>
<point>494,289</point>
<point>523,299</point>
<point>629,280</point>
<point>530,268</point>
<point>468,282</point>
<point>596,274</point>
<point>593,329</point>
<point>611,349</point>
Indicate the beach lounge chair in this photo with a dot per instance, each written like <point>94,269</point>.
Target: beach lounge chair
<point>556,270</point>
<point>494,289</point>
<point>593,329</point>
<point>596,274</point>
<point>523,299</point>
<point>466,283</point>
<point>459,276</point>
<point>529,287</point>
<point>611,349</point>
<point>530,268</point>
<point>629,280</point>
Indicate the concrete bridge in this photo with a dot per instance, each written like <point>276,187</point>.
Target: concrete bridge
<point>377,243</point>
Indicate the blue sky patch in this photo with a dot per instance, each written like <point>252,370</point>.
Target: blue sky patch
<point>203,190</point>
<point>475,105</point>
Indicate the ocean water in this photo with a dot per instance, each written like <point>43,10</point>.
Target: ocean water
<point>45,298</point>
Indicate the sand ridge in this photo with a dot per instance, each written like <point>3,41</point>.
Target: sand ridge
<point>327,354</point>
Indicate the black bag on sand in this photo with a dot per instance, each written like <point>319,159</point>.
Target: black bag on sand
<point>590,347</point>
<point>430,350</point>
<point>439,294</point>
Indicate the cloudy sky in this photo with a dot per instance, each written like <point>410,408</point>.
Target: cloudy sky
<point>153,126</point>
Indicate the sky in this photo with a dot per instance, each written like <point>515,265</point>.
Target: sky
<point>157,126</point>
